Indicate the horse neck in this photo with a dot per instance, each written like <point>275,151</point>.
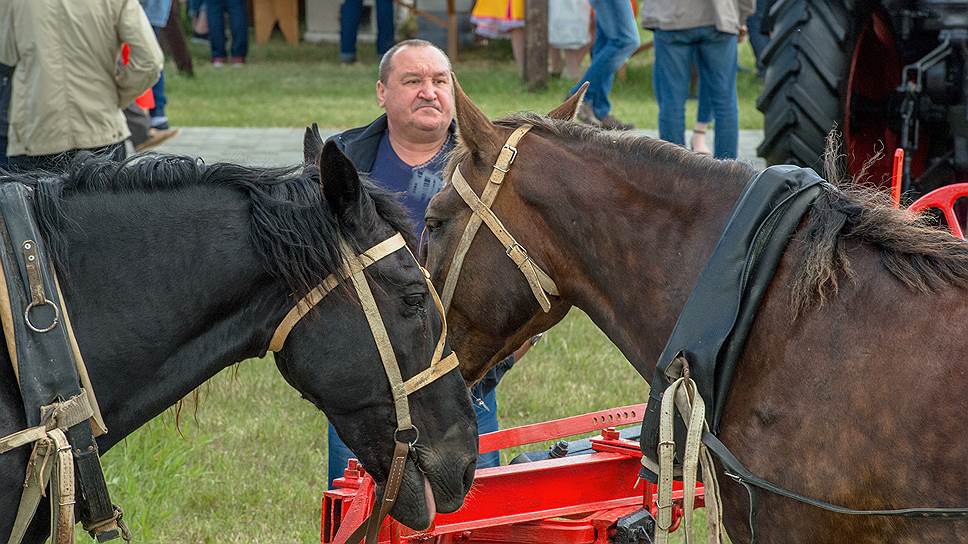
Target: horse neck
<point>164,290</point>
<point>646,231</point>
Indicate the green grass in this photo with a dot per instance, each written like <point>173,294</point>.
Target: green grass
<point>286,86</point>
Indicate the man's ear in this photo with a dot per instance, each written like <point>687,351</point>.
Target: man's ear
<point>477,132</point>
<point>340,182</point>
<point>312,144</point>
<point>569,108</point>
<point>381,94</point>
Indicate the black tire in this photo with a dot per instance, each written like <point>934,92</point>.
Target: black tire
<point>807,62</point>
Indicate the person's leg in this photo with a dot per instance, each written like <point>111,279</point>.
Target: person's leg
<point>486,412</point>
<point>385,34</point>
<point>216,28</point>
<point>758,40</point>
<point>337,454</point>
<point>350,13</point>
<point>717,67</point>
<point>616,38</point>
<point>517,47</point>
<point>704,116</point>
<point>239,20</point>
<point>670,81</point>
<point>573,58</point>
<point>158,117</point>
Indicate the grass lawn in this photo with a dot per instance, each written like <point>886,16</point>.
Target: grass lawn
<point>285,86</point>
<point>248,463</point>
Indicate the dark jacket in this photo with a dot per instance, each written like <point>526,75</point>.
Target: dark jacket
<point>360,144</point>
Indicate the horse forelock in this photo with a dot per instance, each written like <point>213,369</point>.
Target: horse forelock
<point>292,230</point>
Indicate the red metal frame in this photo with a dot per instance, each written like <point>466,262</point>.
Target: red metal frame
<point>571,500</point>
<point>944,199</point>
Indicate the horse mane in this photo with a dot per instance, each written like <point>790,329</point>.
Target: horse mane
<point>912,247</point>
<point>293,231</point>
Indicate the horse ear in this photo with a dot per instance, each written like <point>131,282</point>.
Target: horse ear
<point>569,108</point>
<point>340,182</point>
<point>312,144</point>
<point>476,131</point>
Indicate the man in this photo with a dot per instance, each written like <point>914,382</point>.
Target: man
<point>616,38</point>
<point>707,31</point>
<point>405,150</point>
<point>68,85</point>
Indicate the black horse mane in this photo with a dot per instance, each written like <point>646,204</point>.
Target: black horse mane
<point>912,247</point>
<point>293,231</point>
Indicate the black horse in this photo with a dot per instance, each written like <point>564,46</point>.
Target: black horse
<point>173,270</point>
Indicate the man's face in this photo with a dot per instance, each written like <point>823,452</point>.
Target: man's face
<point>418,92</point>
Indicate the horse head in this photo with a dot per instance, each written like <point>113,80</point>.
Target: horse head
<point>354,390</point>
<point>484,330</point>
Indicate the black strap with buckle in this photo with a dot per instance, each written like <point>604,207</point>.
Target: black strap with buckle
<point>46,368</point>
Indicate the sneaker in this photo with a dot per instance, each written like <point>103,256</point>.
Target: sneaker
<point>238,62</point>
<point>160,122</point>
<point>218,62</point>
<point>347,58</point>
<point>611,123</point>
<point>587,116</point>
<point>156,137</point>
<point>199,38</point>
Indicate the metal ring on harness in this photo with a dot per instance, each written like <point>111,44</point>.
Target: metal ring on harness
<point>415,438</point>
<point>47,302</point>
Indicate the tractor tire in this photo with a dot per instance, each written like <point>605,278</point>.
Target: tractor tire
<point>807,63</point>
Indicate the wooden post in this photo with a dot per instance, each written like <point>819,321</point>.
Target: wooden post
<point>451,31</point>
<point>536,44</point>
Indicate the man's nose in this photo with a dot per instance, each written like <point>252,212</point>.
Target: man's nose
<point>427,90</point>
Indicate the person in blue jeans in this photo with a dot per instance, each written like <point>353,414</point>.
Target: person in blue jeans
<point>405,150</point>
<point>616,38</point>
<point>708,32</point>
<point>157,12</point>
<point>239,22</point>
<point>350,13</point>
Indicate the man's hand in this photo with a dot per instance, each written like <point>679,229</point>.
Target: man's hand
<point>519,353</point>
<point>743,32</point>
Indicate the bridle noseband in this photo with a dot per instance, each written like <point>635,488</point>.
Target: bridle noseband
<point>353,269</point>
<point>540,282</point>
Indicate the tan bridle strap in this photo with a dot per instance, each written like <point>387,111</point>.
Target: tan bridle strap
<point>445,365</point>
<point>383,345</point>
<point>538,280</point>
<point>313,297</point>
<point>504,159</point>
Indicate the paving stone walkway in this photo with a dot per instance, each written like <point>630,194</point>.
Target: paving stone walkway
<point>283,146</point>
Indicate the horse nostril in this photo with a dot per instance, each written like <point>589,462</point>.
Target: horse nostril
<point>469,474</point>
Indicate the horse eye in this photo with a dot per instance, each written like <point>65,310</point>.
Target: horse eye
<point>432,223</point>
<point>414,300</point>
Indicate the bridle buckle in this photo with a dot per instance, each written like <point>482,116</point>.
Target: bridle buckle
<point>514,154</point>
<point>510,249</point>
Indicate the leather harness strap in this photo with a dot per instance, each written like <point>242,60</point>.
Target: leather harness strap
<point>541,283</point>
<point>400,389</point>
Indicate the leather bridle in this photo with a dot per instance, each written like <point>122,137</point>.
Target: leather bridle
<point>540,282</point>
<point>353,269</point>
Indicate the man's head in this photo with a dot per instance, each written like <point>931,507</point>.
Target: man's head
<point>415,89</point>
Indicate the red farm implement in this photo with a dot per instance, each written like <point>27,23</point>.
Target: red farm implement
<point>589,496</point>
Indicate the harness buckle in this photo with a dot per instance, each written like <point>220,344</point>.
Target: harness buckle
<point>519,248</point>
<point>514,154</point>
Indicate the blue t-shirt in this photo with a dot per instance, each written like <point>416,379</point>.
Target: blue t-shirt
<point>417,183</point>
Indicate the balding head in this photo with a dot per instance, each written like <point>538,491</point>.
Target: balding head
<point>386,63</point>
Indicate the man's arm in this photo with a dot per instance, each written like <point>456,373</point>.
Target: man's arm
<point>8,40</point>
<point>746,8</point>
<point>144,64</point>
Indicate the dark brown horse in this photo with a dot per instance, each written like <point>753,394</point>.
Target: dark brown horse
<point>852,387</point>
